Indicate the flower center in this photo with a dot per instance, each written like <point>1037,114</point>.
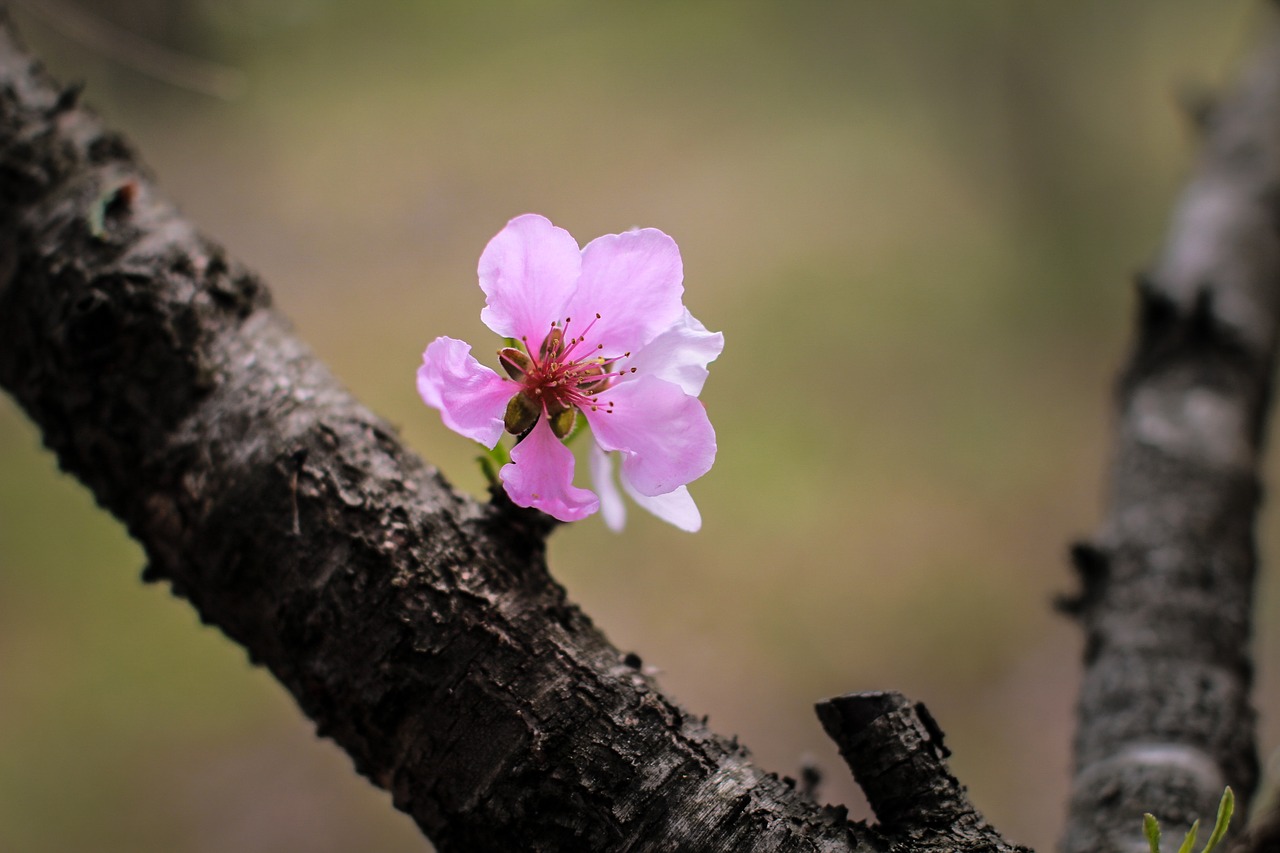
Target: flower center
<point>563,377</point>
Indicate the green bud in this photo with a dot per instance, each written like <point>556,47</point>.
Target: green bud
<point>522,414</point>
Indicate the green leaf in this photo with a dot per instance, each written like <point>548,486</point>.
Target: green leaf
<point>1226,807</point>
<point>1151,828</point>
<point>1190,840</point>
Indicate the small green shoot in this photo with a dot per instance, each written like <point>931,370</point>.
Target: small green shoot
<point>1190,840</point>
<point>1226,807</point>
<point>1151,829</point>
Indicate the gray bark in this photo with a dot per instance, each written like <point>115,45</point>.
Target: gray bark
<point>1165,720</point>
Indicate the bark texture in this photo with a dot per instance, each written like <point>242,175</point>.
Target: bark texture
<point>896,753</point>
<point>418,629</point>
<point>1164,714</point>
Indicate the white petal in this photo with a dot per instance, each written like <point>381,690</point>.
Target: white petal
<point>675,507</point>
<point>611,506</point>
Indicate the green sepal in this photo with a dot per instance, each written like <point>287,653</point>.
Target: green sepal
<point>563,421</point>
<point>1151,829</point>
<point>521,415</point>
<point>515,362</point>
<point>553,345</point>
<point>1226,808</point>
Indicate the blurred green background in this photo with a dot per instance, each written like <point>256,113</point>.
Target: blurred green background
<point>915,223</point>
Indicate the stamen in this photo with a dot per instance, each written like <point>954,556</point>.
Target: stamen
<point>555,382</point>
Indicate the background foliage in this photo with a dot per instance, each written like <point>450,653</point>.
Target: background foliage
<point>915,222</point>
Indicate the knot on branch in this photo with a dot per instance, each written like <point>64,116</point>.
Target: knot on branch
<point>896,752</point>
<point>1093,565</point>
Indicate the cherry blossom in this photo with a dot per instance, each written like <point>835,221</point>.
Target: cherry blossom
<point>601,334</point>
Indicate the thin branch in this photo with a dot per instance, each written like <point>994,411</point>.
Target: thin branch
<point>895,751</point>
<point>1165,720</point>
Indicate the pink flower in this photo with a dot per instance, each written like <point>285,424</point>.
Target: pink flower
<point>604,335</point>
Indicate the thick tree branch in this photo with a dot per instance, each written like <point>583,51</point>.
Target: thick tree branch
<point>1164,714</point>
<point>420,630</point>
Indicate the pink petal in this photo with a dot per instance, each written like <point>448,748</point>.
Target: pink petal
<point>471,398</point>
<point>663,433</point>
<point>541,475</point>
<point>611,506</point>
<point>528,272</point>
<point>680,354</point>
<point>675,507</point>
<point>634,281</point>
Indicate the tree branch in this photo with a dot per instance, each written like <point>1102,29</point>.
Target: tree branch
<point>420,630</point>
<point>1164,715</point>
<point>895,751</point>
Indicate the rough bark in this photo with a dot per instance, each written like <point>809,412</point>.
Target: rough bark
<point>896,752</point>
<point>419,629</point>
<point>1164,714</point>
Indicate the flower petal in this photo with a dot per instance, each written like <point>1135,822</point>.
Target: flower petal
<point>611,505</point>
<point>528,272</point>
<point>664,434</point>
<point>680,354</point>
<point>541,476</point>
<point>634,281</point>
<point>675,507</point>
<point>471,397</point>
